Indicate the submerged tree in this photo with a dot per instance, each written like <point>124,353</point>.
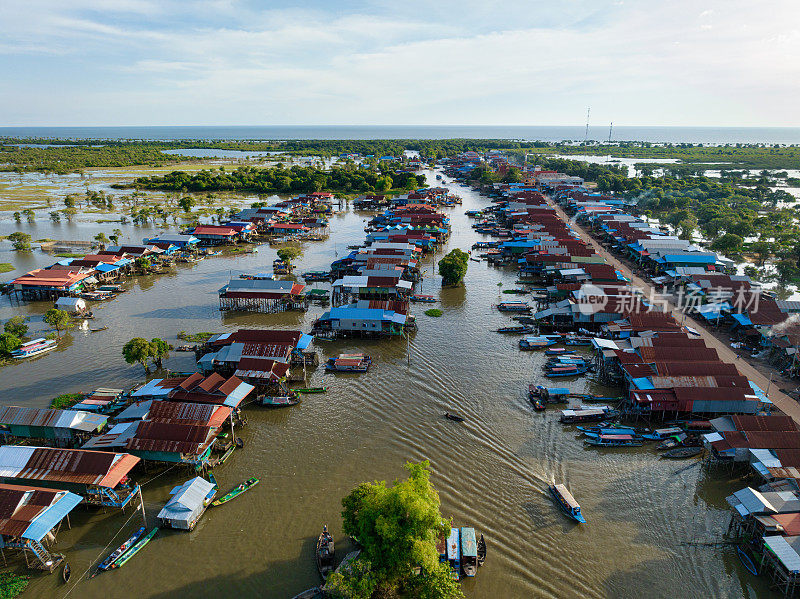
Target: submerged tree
<point>398,527</point>
<point>58,319</point>
<point>20,241</point>
<point>138,350</point>
<point>288,254</point>
<point>8,343</point>
<point>159,350</point>
<point>16,326</point>
<point>453,267</point>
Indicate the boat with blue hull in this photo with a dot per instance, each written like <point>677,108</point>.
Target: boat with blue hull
<point>469,551</point>
<point>614,441</point>
<point>566,502</point>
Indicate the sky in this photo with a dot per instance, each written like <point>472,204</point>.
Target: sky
<point>230,62</point>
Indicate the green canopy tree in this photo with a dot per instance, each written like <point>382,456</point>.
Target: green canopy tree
<point>16,326</point>
<point>58,319</point>
<point>8,343</point>
<point>159,350</point>
<point>20,241</point>
<point>453,267</point>
<point>186,202</point>
<point>730,243</point>
<point>142,263</point>
<point>138,350</point>
<point>288,254</point>
<point>101,239</point>
<point>397,527</point>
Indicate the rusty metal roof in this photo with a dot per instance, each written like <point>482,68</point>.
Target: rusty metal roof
<point>65,465</point>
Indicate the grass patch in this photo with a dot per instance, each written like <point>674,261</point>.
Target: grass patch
<point>194,337</point>
<point>6,267</point>
<point>435,312</point>
<point>67,400</point>
<point>69,255</point>
<point>44,240</point>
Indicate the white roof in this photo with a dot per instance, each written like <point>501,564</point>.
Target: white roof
<point>13,459</point>
<point>784,551</point>
<point>751,501</point>
<point>186,498</point>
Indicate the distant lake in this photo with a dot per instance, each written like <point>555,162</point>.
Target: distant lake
<point>783,135</point>
<point>206,153</point>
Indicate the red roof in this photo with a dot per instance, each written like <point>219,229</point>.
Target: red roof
<point>215,230</point>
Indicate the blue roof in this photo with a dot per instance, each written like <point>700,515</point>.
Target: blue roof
<point>642,383</point>
<point>742,319</point>
<point>48,519</point>
<point>103,267</point>
<point>304,341</point>
<point>359,313</point>
<point>469,545</point>
<point>698,259</point>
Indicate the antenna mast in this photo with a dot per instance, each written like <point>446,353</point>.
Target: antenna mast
<point>610,129</point>
<point>586,135</point>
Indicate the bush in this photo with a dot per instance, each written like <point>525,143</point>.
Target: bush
<point>11,584</point>
<point>435,312</point>
<point>66,400</point>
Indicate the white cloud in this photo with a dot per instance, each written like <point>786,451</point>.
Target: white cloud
<point>219,61</point>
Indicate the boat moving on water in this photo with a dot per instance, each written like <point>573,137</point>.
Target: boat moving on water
<point>454,417</point>
<point>325,553</point>
<point>236,491</point>
<point>566,502</point>
<point>32,348</point>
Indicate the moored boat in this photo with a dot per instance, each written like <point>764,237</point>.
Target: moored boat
<point>614,441</point>
<point>32,348</point>
<point>236,491</point>
<point>481,551</point>
<point>279,401</point>
<point>310,390</point>
<point>454,553</point>
<point>117,553</point>
<point>454,417</point>
<point>566,502</point>
<point>514,307</point>
<point>521,330</point>
<point>140,544</point>
<point>424,299</point>
<point>747,562</point>
<point>325,553</point>
<point>349,363</point>
<point>469,551</point>
<point>681,453</point>
<point>66,572</point>
<point>597,414</point>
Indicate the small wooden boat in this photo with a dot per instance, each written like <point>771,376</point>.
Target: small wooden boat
<point>475,259</point>
<point>282,401</point>
<point>140,544</point>
<point>66,572</point>
<point>514,307</point>
<point>538,404</point>
<point>97,330</point>
<point>312,593</point>
<point>747,562</point>
<point>516,330</point>
<point>349,363</point>
<point>557,372</point>
<point>311,390</point>
<point>117,553</point>
<point>681,453</point>
<point>613,441</point>
<point>566,502</point>
<point>424,299</point>
<point>454,417</point>
<point>236,491</point>
<point>481,551</point>
<point>325,553</point>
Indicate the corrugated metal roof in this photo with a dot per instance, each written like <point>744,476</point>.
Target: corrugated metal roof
<point>64,503</point>
<point>186,499</point>
<point>66,465</point>
<point>788,556</point>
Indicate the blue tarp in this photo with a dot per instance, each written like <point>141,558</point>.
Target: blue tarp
<point>742,319</point>
<point>642,383</point>
<point>49,518</point>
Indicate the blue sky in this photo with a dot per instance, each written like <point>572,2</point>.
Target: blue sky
<point>226,62</point>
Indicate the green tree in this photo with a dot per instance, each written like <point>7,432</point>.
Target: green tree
<point>289,253</point>
<point>16,326</point>
<point>30,215</point>
<point>397,527</point>
<point>101,239</point>
<point>8,343</point>
<point>159,350</point>
<point>115,235</point>
<point>730,243</point>
<point>69,213</point>
<point>453,267</point>
<point>186,202</point>
<point>18,217</point>
<point>20,241</point>
<point>58,319</point>
<point>142,263</point>
<point>138,350</point>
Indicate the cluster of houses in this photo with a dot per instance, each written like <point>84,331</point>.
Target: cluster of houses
<point>373,285</point>
<point>54,459</point>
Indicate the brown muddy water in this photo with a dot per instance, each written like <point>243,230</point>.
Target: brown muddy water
<point>649,521</point>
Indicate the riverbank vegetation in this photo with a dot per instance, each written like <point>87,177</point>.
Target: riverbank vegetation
<point>11,585</point>
<point>296,179</point>
<point>68,155</point>
<point>66,401</point>
<point>397,527</point>
<point>6,267</point>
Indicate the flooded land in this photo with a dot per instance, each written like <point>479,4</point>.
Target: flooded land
<point>653,525</point>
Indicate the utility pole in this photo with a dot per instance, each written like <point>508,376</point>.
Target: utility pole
<point>610,129</point>
<point>141,504</point>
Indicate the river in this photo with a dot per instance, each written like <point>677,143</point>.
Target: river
<point>647,518</point>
